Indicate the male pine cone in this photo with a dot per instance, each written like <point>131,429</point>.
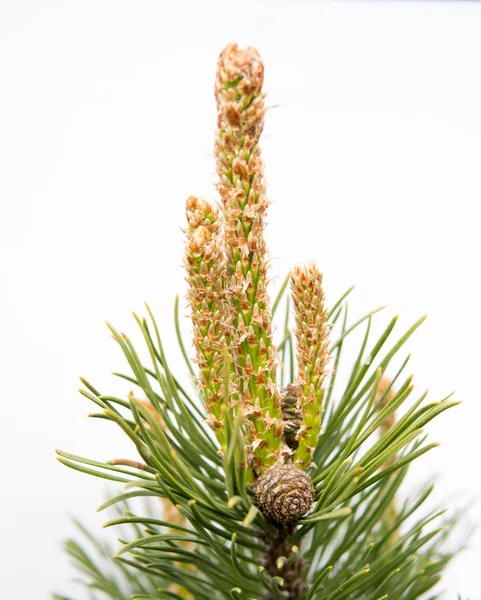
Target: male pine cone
<point>285,493</point>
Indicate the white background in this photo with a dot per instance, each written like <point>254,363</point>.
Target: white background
<point>106,126</point>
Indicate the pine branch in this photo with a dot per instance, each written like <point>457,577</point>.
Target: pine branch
<point>301,502</point>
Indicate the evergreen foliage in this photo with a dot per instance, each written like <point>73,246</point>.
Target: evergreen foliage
<point>201,531</point>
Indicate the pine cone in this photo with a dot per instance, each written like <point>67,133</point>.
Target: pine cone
<point>285,493</point>
<point>291,416</point>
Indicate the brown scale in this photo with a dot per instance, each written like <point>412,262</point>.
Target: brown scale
<point>291,416</point>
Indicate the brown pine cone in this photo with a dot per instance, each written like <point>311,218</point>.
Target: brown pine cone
<point>291,415</point>
<point>285,493</point>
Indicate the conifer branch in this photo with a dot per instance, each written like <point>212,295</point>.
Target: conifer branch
<point>282,512</point>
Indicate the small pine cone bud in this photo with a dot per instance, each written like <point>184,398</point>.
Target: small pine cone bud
<point>291,415</point>
<point>285,493</point>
